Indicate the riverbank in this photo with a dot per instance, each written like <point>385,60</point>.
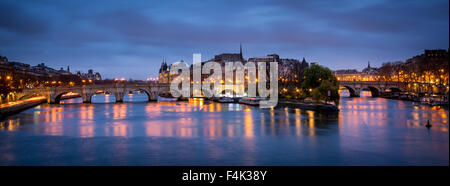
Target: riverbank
<point>424,100</point>
<point>320,107</point>
<point>306,105</point>
<point>11,108</point>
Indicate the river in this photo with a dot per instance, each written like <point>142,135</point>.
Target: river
<point>367,131</point>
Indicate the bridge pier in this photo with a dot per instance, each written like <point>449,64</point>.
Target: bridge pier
<point>119,96</point>
<point>152,97</point>
<point>54,102</point>
<point>86,98</point>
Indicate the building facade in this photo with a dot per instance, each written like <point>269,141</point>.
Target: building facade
<point>290,71</point>
<point>15,76</point>
<point>90,75</point>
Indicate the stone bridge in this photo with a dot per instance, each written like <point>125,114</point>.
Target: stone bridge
<point>54,94</point>
<point>377,88</point>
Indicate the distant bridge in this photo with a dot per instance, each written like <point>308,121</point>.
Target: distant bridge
<point>377,88</point>
<point>153,90</point>
<point>54,94</point>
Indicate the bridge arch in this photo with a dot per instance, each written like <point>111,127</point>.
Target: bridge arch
<point>99,91</point>
<point>146,92</point>
<point>376,92</point>
<point>58,96</point>
<point>352,90</point>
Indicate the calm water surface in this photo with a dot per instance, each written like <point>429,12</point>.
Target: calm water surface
<point>367,131</point>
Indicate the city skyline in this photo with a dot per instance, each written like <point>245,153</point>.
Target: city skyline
<point>124,40</point>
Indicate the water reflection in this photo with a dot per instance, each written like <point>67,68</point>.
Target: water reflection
<point>109,98</point>
<point>371,125</point>
<point>383,112</point>
<point>135,96</point>
<point>103,98</point>
<point>363,93</point>
<point>184,119</point>
<point>199,117</point>
<point>10,124</point>
<point>71,101</point>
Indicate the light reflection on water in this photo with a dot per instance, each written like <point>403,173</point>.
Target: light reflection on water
<point>366,131</point>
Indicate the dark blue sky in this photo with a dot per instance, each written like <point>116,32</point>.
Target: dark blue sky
<point>130,38</point>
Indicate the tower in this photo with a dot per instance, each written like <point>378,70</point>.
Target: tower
<point>240,50</point>
<point>163,66</point>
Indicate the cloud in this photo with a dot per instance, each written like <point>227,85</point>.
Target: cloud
<point>132,35</point>
<point>17,20</point>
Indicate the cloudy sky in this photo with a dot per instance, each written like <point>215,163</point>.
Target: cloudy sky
<point>130,38</point>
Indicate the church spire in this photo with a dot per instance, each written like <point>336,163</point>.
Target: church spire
<point>240,50</point>
<point>368,64</point>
